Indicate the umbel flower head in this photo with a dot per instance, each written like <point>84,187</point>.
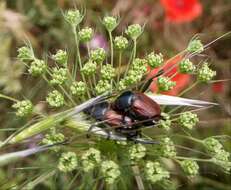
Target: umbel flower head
<point>205,74</point>
<point>73,17</point>
<point>120,42</point>
<point>90,159</point>
<point>59,76</point>
<point>165,84</point>
<point>86,34</point>
<point>78,88</point>
<point>195,46</point>
<point>98,55</point>
<point>167,148</point>
<point>24,108</point>
<point>137,152</point>
<point>186,66</point>
<point>103,86</point>
<point>53,138</point>
<point>68,162</point>
<point>190,167</point>
<point>188,120</point>
<point>55,99</point>
<point>25,54</point>
<point>154,172</point>
<point>134,31</point>
<point>37,67</point>
<point>89,68</point>
<point>110,171</point>
<point>110,23</point>
<point>155,60</point>
<point>61,57</point>
<point>107,72</point>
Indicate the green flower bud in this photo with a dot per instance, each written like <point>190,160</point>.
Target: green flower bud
<point>186,66</point>
<point>110,171</point>
<point>89,68</point>
<point>78,88</point>
<point>25,54</point>
<point>103,86</point>
<point>195,46</point>
<point>205,74</point>
<point>190,167</point>
<point>167,148</point>
<point>24,108</point>
<point>188,120</point>
<point>53,138</point>
<point>137,152</point>
<point>134,31</point>
<point>165,84</point>
<point>68,162</point>
<point>59,76</point>
<point>154,172</point>
<point>55,99</point>
<point>222,160</point>
<point>212,145</point>
<point>73,17</point>
<point>61,57</point>
<point>122,84</point>
<point>90,159</point>
<point>120,42</point>
<point>165,124</point>
<point>110,23</point>
<point>107,72</point>
<point>37,67</point>
<point>155,60</point>
<point>98,55</point>
<point>86,34</point>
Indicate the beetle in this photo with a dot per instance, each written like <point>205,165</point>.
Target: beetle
<point>138,106</point>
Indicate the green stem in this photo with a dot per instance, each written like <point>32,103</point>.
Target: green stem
<point>189,88</point>
<point>195,159</point>
<point>134,50</point>
<point>120,60</point>
<point>8,98</point>
<point>79,59</point>
<point>111,45</point>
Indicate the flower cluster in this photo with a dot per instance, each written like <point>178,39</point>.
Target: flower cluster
<point>53,138</point>
<point>110,23</point>
<point>134,31</point>
<point>37,67</point>
<point>85,34</point>
<point>55,99</point>
<point>68,162</point>
<point>73,17</point>
<point>167,148</point>
<point>59,76</point>
<point>24,108</point>
<point>216,149</point>
<point>103,86</point>
<point>98,55</point>
<point>186,66</point>
<point>120,42</point>
<point>137,152</point>
<point>205,74</point>
<point>165,84</point>
<point>135,74</point>
<point>90,159</point>
<point>195,46</point>
<point>25,54</point>
<point>190,167</point>
<point>61,57</point>
<point>78,88</point>
<point>89,68</point>
<point>154,172</point>
<point>155,60</point>
<point>107,72</point>
<point>188,120</point>
<point>110,171</point>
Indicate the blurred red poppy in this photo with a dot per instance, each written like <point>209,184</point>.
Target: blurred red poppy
<point>179,11</point>
<point>182,80</point>
<point>218,87</point>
